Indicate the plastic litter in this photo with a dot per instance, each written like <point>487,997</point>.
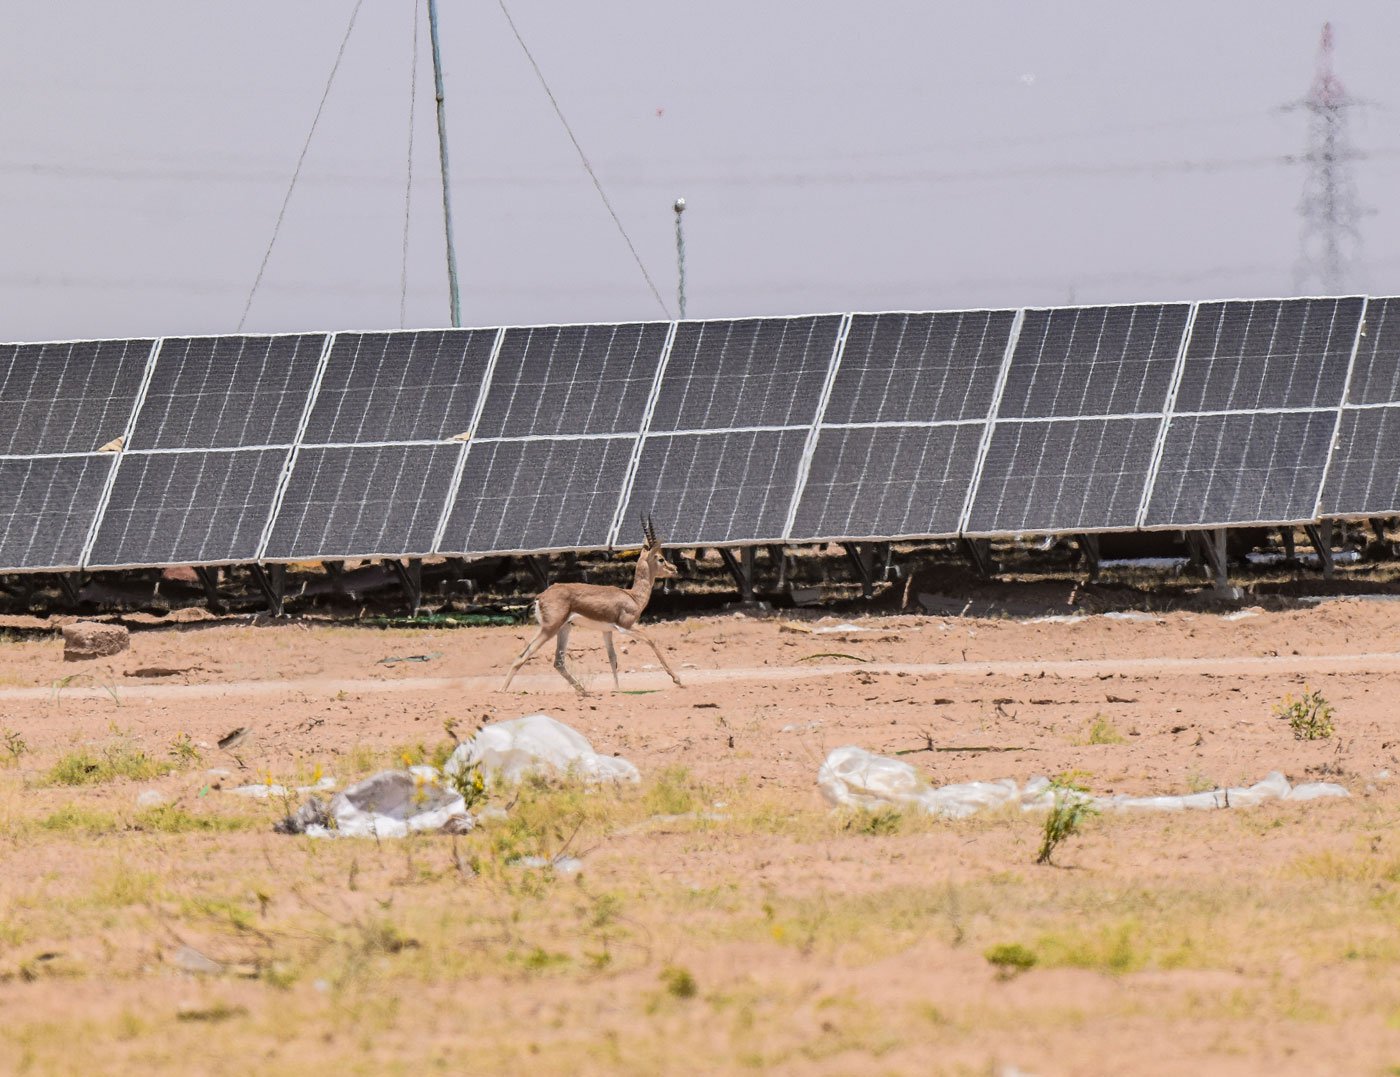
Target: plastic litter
<point>264,790</point>
<point>390,804</point>
<point>564,865</point>
<point>852,777</point>
<point>536,744</point>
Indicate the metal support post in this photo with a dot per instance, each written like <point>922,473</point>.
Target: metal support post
<point>410,577</point>
<point>1089,551</point>
<point>861,557</point>
<point>1290,548</point>
<point>539,568</point>
<point>70,583</point>
<point>979,554</point>
<point>452,288</point>
<point>741,570</point>
<point>272,582</point>
<point>1320,535</point>
<point>209,580</point>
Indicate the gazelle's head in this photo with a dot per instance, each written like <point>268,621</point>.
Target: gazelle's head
<point>651,551</point>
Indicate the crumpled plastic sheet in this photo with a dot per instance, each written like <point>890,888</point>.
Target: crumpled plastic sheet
<point>852,777</point>
<point>536,744</point>
<point>392,803</point>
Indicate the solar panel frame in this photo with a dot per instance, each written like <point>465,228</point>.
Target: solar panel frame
<point>1376,368</point>
<point>285,538</point>
<point>90,418</point>
<point>199,394</point>
<point>228,539</point>
<point>1220,375</point>
<point>78,480</point>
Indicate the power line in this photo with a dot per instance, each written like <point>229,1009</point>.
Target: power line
<point>408,187</point>
<point>281,213</point>
<point>584,158</point>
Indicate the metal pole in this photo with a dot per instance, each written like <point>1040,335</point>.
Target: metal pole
<point>442,156</point>
<point>679,207</point>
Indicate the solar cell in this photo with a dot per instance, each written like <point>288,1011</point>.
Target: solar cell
<point>573,379</point>
<point>1242,468</point>
<point>227,392</point>
<point>1363,478</point>
<point>73,397</point>
<point>414,386</point>
<point>551,494</point>
<point>194,508</point>
<point>362,501</point>
<point>878,482</point>
<point>1376,376</point>
<point>1081,361</point>
<point>1069,475</point>
<point>717,488</point>
<point>751,372</point>
<point>47,507</point>
<point>919,367</point>
<point>1268,353</point>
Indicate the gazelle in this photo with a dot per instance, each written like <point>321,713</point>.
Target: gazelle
<point>562,606</point>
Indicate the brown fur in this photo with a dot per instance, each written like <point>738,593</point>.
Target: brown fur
<point>604,609</point>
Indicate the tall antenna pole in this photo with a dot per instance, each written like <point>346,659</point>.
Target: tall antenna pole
<point>679,207</point>
<point>442,156</point>
<point>1331,237</point>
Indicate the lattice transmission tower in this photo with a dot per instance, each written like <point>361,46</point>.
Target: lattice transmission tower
<point>1331,211</point>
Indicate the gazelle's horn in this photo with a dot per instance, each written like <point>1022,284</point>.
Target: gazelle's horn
<point>649,529</point>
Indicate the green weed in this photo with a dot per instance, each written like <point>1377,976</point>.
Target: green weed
<point>1308,715</point>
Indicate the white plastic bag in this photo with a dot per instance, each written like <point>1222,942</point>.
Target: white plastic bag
<point>392,803</point>
<point>536,744</point>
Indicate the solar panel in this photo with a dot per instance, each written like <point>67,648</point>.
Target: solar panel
<point>1252,467</point>
<point>875,482</point>
<point>72,397</point>
<point>1363,478</point>
<point>551,494</point>
<point>717,488</point>
<point>573,379</point>
<point>751,372</point>
<point>196,508</point>
<point>1080,361</point>
<point>1074,475</point>
<point>919,367</point>
<point>1268,353</point>
<point>47,507</point>
<point>414,386</point>
<point>1376,376</point>
<point>227,392</point>
<point>362,501</point>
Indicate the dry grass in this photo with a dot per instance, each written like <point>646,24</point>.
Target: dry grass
<point>385,956</point>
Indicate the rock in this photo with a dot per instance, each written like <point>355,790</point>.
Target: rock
<point>150,798</point>
<point>188,959</point>
<point>87,639</point>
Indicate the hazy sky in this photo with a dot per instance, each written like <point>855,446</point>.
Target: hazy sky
<point>834,156</point>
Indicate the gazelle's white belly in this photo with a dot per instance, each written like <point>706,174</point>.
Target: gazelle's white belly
<point>578,620</point>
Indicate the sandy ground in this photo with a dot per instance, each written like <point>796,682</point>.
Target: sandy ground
<point>816,946</point>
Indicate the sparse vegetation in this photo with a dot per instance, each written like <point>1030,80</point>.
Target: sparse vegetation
<point>1010,959</point>
<point>1101,730</point>
<point>679,982</point>
<point>1066,816</point>
<point>14,746</point>
<point>1309,715</point>
<point>120,759</point>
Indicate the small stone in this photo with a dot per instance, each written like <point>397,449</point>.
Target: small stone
<point>87,639</point>
<point>150,798</point>
<point>188,959</point>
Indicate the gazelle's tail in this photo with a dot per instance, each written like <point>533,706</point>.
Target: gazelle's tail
<point>535,609</point>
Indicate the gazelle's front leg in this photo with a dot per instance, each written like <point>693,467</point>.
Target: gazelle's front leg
<point>541,638</point>
<point>560,646</point>
<point>634,630</point>
<point>612,658</point>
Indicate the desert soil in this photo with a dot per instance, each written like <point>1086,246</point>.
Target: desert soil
<point>724,920</point>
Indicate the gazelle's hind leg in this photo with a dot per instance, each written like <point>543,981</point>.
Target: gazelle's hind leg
<point>657,651</point>
<point>541,638</point>
<point>561,643</point>
<point>612,658</point>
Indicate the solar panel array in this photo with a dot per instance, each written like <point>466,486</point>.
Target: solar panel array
<point>467,442</point>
